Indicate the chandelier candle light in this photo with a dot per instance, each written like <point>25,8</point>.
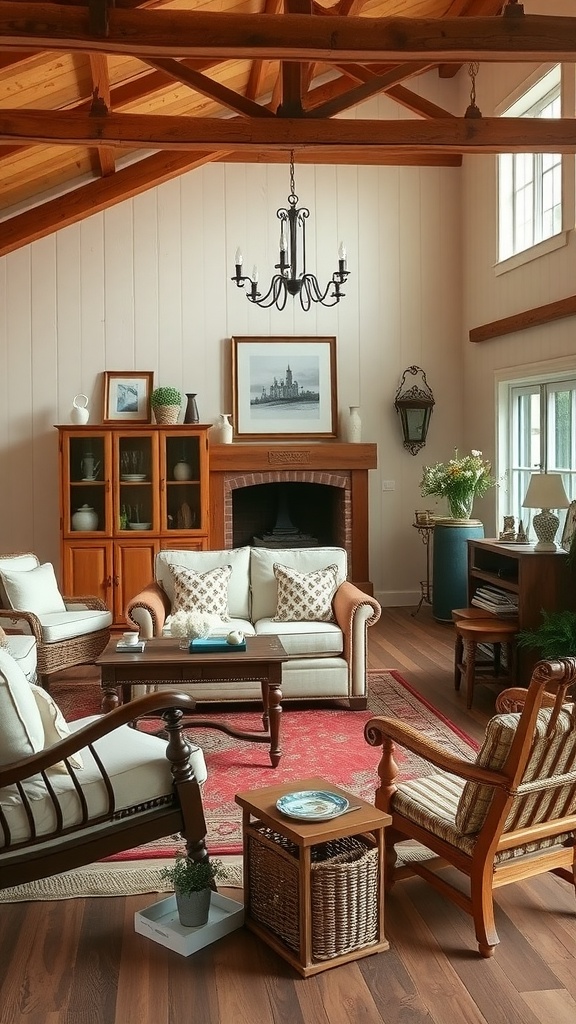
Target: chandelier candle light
<point>289,280</point>
<point>459,480</point>
<point>545,491</point>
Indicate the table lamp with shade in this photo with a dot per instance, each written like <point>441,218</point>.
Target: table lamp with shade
<point>545,491</point>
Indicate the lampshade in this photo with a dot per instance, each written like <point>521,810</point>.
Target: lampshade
<point>545,491</point>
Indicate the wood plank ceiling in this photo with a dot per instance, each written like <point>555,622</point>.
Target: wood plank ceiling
<point>100,100</point>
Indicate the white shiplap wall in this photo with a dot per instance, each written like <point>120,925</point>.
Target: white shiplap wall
<point>146,285</point>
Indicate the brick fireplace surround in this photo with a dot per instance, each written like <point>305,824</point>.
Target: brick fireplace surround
<point>332,464</point>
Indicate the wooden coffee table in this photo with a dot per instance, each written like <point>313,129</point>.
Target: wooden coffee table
<point>162,663</point>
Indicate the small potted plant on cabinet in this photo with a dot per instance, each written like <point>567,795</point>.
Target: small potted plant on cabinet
<point>166,404</point>
<point>192,882</point>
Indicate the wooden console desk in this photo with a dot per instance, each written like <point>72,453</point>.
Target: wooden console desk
<point>542,580</point>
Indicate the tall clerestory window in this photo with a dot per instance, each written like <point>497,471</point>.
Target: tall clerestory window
<point>530,184</point>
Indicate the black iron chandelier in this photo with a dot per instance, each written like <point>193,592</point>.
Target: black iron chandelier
<point>289,280</point>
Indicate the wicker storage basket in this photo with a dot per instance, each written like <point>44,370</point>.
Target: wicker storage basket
<point>344,891</point>
<point>166,413</point>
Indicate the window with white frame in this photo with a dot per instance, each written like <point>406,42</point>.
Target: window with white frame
<point>541,437</point>
<point>530,184</point>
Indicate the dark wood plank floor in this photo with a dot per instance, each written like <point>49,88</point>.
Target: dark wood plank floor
<point>80,961</point>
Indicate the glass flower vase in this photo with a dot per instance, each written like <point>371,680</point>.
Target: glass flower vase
<point>461,506</point>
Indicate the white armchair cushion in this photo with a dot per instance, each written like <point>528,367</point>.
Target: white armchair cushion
<point>21,729</point>
<point>139,772</point>
<point>54,724</point>
<point>33,590</point>
<point>66,625</point>
<point>304,560</point>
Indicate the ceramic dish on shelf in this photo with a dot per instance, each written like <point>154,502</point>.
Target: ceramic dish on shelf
<point>133,478</point>
<point>312,805</point>
<point>139,526</point>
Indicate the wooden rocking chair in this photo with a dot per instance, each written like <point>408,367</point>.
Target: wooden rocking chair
<point>507,815</point>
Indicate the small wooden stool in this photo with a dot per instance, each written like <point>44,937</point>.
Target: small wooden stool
<point>473,631</point>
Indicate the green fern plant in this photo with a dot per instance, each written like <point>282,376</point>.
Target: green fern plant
<point>192,876</point>
<point>555,637</point>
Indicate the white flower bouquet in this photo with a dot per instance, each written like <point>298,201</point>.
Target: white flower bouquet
<point>192,625</point>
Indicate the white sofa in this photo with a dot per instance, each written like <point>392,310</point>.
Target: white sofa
<point>327,659</point>
<point>22,647</point>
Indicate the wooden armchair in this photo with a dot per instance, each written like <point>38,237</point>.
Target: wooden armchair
<point>507,815</point>
<point>103,788</point>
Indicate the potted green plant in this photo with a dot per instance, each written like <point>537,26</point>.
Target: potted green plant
<point>555,637</point>
<point>166,404</point>
<point>192,882</point>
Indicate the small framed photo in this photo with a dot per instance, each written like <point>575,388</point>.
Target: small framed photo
<point>284,387</point>
<point>127,396</point>
<point>569,526</point>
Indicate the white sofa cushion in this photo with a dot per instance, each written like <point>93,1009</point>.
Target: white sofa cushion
<point>21,729</point>
<point>138,768</point>
<point>304,560</point>
<point>305,596</point>
<point>304,639</point>
<point>203,561</point>
<point>33,590</point>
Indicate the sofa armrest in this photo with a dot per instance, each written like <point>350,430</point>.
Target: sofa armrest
<point>147,611</point>
<point>354,611</point>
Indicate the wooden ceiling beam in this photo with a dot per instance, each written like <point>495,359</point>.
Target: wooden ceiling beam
<point>371,85</point>
<point>448,135</point>
<point>101,91</point>
<point>176,33</point>
<point>208,87</point>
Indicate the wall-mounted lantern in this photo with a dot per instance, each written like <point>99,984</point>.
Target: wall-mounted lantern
<point>414,406</point>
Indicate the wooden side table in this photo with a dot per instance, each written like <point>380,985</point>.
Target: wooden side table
<point>282,858</point>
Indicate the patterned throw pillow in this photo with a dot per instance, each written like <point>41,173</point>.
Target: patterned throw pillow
<point>305,596</point>
<point>201,591</point>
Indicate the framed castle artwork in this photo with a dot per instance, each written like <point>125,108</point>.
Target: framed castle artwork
<point>284,388</point>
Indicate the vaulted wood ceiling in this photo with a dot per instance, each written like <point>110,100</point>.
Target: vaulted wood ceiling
<point>100,101</point>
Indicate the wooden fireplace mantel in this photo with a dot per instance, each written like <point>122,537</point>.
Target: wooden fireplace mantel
<point>355,459</point>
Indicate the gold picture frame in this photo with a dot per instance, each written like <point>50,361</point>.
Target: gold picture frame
<point>127,396</point>
<point>284,388</point>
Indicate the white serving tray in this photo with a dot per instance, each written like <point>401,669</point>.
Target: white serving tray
<point>160,922</point>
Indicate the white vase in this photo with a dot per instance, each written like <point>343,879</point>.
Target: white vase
<point>182,471</point>
<point>85,518</point>
<point>353,431</point>
<point>80,413</point>
<point>224,429</point>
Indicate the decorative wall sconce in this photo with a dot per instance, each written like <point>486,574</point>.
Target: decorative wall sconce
<point>414,406</point>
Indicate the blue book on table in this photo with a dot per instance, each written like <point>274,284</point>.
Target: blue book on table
<point>214,645</point>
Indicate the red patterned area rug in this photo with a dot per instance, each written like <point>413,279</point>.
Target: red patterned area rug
<point>324,742</point>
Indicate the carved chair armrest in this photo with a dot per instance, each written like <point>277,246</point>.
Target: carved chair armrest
<point>159,701</point>
<point>384,732</point>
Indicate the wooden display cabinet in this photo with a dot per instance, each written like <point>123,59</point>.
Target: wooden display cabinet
<point>141,489</point>
<point>541,581</point>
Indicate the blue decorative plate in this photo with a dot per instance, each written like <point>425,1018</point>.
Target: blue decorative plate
<point>312,805</point>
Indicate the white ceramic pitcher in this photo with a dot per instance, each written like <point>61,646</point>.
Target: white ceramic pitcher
<point>80,412</point>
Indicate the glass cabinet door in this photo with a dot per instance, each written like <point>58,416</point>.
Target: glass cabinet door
<point>85,494</point>
<point>183,483</point>
<point>136,493</point>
